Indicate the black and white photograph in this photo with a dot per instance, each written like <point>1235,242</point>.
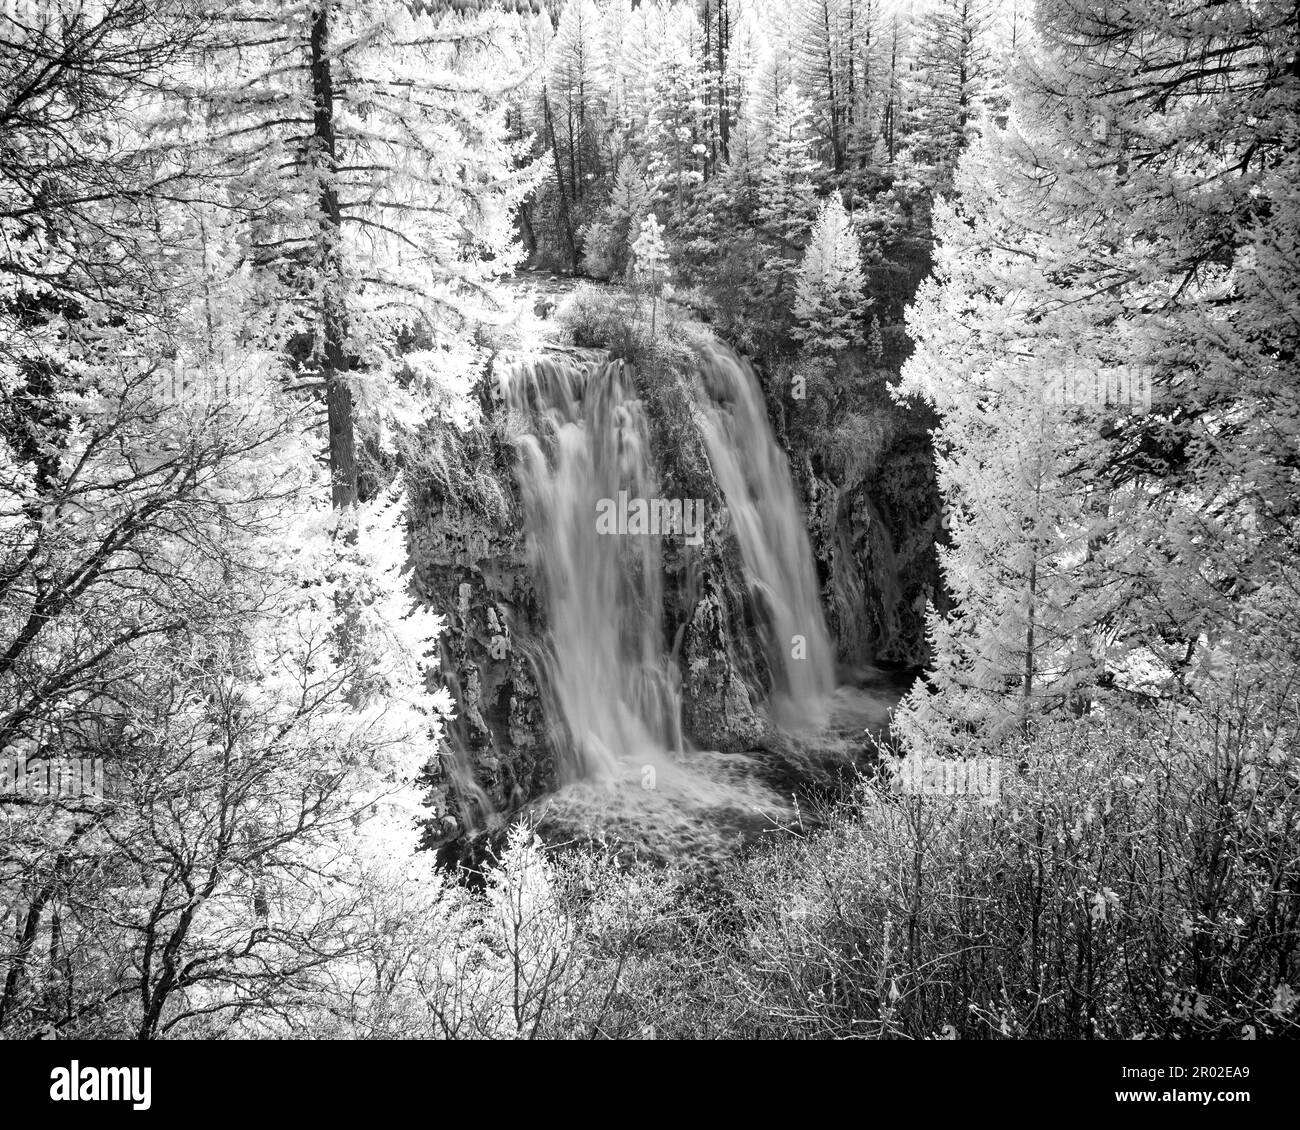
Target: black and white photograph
<point>650,521</point>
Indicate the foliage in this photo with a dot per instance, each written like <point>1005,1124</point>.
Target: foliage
<point>829,304</point>
<point>178,602</point>
<point>1106,555</point>
<point>1124,884</point>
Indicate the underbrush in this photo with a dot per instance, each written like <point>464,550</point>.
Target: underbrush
<point>1122,886</point>
<point>1119,889</point>
<point>619,320</point>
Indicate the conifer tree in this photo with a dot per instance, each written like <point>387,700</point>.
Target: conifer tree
<point>952,64</point>
<point>1132,219</point>
<point>650,262</point>
<point>787,204</point>
<point>676,153</point>
<point>380,186</point>
<point>829,304</point>
<point>875,343</point>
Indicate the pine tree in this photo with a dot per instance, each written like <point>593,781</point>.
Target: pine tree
<point>574,90</point>
<point>775,70</point>
<point>719,20</point>
<point>676,154</point>
<point>824,70</point>
<point>866,79</point>
<point>607,241</point>
<point>380,183</point>
<point>1107,557</point>
<point>953,56</point>
<point>787,204</point>
<point>894,95</point>
<point>875,342</point>
<point>829,303</point>
<point>650,262</point>
<point>748,44</point>
<point>614,37</point>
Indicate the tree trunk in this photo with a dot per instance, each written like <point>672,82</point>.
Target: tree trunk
<point>1027,679</point>
<point>724,112</point>
<point>565,218</point>
<point>832,95</point>
<point>526,231</point>
<point>333,309</point>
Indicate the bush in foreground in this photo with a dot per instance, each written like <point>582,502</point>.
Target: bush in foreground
<point>1125,886</point>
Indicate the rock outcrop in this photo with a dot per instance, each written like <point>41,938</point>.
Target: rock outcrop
<point>873,519</point>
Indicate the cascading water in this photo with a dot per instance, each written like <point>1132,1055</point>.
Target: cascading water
<point>754,475</point>
<point>582,438</point>
<point>609,691</point>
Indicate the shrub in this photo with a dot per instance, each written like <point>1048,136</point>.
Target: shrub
<point>613,319</point>
<point>601,255</point>
<point>1125,887</point>
<point>1135,881</point>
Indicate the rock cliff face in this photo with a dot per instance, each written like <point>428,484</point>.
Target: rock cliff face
<point>865,468</point>
<point>872,520</point>
<point>875,543</point>
<point>471,569</point>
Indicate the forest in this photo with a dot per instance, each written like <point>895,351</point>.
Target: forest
<point>686,519</point>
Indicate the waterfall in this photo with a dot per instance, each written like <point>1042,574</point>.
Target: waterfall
<point>582,439</point>
<point>754,475</point>
<point>475,807</point>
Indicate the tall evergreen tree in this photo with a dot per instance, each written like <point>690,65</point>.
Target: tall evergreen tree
<point>825,71</point>
<point>952,63</point>
<point>1134,217</point>
<point>380,185</point>
<point>829,303</point>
